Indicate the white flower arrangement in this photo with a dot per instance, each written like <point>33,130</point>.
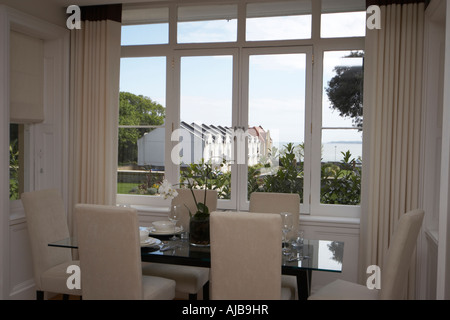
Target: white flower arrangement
<point>167,191</point>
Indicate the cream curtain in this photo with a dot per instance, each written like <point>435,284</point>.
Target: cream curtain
<point>392,110</point>
<point>94,112</point>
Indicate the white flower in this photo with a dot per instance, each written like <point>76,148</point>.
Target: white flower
<point>167,190</point>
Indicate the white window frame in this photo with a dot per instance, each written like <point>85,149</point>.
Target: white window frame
<point>228,204</point>
<point>318,208</point>
<point>244,110</point>
<point>241,50</point>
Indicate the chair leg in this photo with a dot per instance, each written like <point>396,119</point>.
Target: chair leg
<point>192,296</point>
<point>65,297</point>
<point>39,295</point>
<point>206,291</point>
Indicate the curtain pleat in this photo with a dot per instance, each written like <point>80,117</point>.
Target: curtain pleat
<point>94,112</point>
<point>393,82</point>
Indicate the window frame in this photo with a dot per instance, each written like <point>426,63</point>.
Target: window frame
<point>316,206</point>
<point>313,104</point>
<point>244,115</point>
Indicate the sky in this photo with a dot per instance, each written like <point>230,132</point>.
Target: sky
<point>276,82</point>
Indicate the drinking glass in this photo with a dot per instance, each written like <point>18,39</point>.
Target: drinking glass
<point>174,216</point>
<point>298,239</point>
<point>287,223</point>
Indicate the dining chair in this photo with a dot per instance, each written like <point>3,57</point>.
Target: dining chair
<point>46,222</point>
<point>246,256</point>
<point>273,202</point>
<point>190,280</point>
<point>394,273</point>
<point>110,256</point>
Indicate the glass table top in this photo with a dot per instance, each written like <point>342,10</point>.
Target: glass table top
<point>321,255</point>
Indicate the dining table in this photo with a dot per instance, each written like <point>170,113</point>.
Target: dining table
<point>312,255</point>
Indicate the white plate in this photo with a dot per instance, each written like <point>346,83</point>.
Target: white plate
<point>150,241</point>
<point>152,231</point>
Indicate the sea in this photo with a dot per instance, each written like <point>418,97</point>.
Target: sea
<point>332,151</point>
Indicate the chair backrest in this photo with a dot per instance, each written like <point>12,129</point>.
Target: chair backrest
<point>109,250</point>
<point>245,256</point>
<point>273,202</point>
<point>394,273</point>
<point>46,222</point>
<point>186,200</point>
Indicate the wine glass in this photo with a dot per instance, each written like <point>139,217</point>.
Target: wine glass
<point>287,223</point>
<point>174,216</point>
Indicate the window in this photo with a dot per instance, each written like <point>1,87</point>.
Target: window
<point>343,18</point>
<point>141,26</point>
<point>342,122</point>
<point>15,161</point>
<point>206,107</point>
<point>278,20</point>
<point>255,79</point>
<point>141,125</point>
<point>276,120</point>
<point>213,23</point>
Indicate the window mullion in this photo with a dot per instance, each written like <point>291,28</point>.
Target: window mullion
<point>305,207</point>
<point>172,114</point>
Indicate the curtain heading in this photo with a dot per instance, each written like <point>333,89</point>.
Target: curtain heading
<point>388,2</point>
<point>102,12</point>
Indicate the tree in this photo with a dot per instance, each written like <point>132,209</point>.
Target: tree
<point>136,110</point>
<point>345,91</point>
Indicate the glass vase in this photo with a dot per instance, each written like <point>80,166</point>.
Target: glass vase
<point>199,231</point>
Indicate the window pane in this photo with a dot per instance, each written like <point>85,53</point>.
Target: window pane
<point>276,123</point>
<point>15,181</point>
<point>343,18</point>
<point>348,24</point>
<point>205,113</point>
<point>214,23</point>
<point>342,108</point>
<point>343,89</point>
<point>145,34</point>
<point>142,26</point>
<point>278,21</point>
<point>141,125</point>
<point>341,166</point>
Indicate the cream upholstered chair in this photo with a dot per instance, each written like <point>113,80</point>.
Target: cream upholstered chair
<point>246,256</point>
<point>189,279</point>
<point>110,256</point>
<point>46,222</point>
<point>273,202</point>
<point>394,272</point>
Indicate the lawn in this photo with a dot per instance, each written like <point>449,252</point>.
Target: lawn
<point>126,187</point>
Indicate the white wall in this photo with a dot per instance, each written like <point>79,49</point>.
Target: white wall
<point>434,52</point>
<point>443,264</point>
<point>45,10</point>
<point>47,143</point>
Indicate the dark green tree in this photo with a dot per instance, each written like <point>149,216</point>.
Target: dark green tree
<point>345,91</point>
<point>136,110</point>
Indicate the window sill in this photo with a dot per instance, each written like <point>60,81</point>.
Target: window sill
<point>146,210</point>
<point>306,220</point>
<point>433,236</point>
<point>312,220</point>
